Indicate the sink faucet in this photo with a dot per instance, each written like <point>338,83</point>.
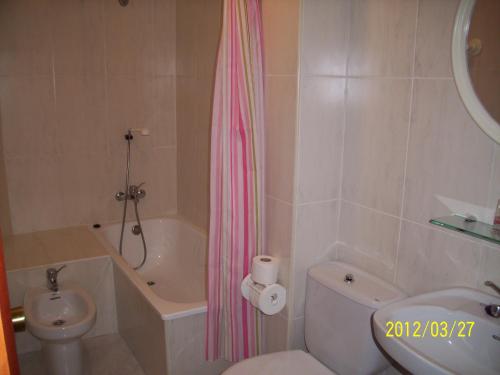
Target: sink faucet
<point>493,309</point>
<point>52,278</point>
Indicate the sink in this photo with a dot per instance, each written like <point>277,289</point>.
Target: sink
<point>453,345</point>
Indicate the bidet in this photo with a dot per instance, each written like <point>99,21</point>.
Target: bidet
<point>59,319</point>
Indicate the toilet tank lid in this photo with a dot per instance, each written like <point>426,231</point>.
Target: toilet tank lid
<point>366,289</point>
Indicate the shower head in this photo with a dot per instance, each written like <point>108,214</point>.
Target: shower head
<point>142,131</point>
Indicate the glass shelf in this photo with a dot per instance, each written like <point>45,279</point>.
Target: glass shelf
<point>472,228</point>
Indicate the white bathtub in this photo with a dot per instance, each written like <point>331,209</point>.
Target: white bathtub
<point>163,323</point>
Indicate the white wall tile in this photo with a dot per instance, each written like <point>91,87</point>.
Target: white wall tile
<point>315,235</point>
<point>442,139</point>
<point>369,234</point>
<point>431,259</point>
<point>375,142</point>
<point>324,37</point>
<point>434,31</point>
<point>490,267</point>
<point>381,37</point>
<point>321,125</point>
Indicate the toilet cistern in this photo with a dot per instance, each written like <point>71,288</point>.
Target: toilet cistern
<point>52,278</point>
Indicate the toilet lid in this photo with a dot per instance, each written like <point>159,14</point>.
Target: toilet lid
<point>294,362</point>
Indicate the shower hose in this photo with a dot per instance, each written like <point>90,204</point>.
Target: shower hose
<point>135,199</point>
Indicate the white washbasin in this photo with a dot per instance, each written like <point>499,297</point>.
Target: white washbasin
<point>436,348</point>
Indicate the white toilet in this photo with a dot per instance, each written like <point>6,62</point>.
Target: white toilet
<point>340,300</point>
<point>59,319</point>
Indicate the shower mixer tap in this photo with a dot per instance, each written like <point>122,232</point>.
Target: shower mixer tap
<point>134,193</point>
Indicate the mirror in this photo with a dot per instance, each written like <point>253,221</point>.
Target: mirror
<point>476,61</point>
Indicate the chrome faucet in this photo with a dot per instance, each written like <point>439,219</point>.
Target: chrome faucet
<point>134,193</point>
<point>52,278</point>
<point>493,309</point>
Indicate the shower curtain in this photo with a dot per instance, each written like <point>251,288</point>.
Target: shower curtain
<point>236,183</point>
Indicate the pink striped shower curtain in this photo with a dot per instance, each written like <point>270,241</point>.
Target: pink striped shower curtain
<point>236,183</point>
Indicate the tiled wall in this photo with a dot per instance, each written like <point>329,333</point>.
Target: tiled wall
<point>74,75</point>
<point>280,24</point>
<point>383,137</point>
<point>94,275</point>
<point>198,32</point>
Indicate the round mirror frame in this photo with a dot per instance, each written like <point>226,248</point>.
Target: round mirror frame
<point>461,72</point>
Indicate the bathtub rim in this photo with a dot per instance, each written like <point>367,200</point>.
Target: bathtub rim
<point>168,310</point>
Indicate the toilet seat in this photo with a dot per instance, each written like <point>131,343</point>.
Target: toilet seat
<point>294,362</point>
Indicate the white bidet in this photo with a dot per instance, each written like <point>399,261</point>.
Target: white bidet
<point>59,319</point>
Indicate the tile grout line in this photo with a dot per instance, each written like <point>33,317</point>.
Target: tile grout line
<point>295,181</point>
<point>408,134</point>
<point>344,130</point>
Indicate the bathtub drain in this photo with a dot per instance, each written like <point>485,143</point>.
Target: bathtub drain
<point>58,322</point>
<point>151,283</point>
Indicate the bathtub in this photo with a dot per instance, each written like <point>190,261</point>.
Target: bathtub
<point>161,308</point>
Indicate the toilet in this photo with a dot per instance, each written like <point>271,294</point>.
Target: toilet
<point>340,300</point>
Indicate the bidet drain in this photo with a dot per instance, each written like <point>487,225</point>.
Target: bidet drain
<point>151,283</point>
<point>58,322</point>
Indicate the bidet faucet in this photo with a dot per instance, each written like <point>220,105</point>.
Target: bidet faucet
<point>52,278</point>
<point>493,309</point>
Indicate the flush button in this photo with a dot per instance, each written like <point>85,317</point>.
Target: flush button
<point>349,278</point>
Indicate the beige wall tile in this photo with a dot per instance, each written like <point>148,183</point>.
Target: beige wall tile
<point>129,37</point>
<point>164,37</point>
<point>208,37</point>
<point>157,168</point>
<point>198,33</point>
<point>320,138</point>
<point>81,114</point>
<point>382,37</point>
<point>63,125</point>
<point>85,198</point>
<point>25,40</point>
<point>280,19</point>
<point>431,259</point>
<point>375,142</point>
<point>188,17</point>
<point>27,108</point>
<point>434,32</point>
<point>78,36</point>
<point>279,234</point>
<point>280,120</point>
<point>369,233</point>
<point>37,202</point>
<point>324,37</point>
<point>275,333</point>
<point>137,101</point>
<point>441,130</point>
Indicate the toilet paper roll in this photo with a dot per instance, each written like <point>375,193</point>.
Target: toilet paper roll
<point>265,269</point>
<point>269,299</point>
<point>245,286</point>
